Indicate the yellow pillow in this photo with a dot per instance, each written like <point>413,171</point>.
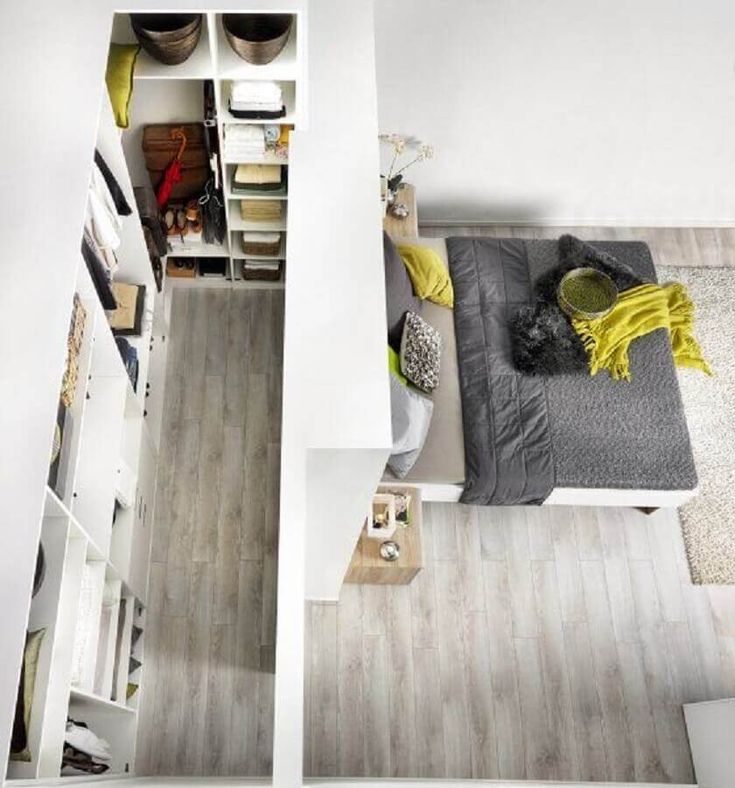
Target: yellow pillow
<point>429,276</point>
<point>119,79</point>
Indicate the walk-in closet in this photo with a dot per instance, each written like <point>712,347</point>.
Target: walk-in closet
<point>151,636</point>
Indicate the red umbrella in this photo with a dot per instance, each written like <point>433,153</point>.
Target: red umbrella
<point>172,174</point>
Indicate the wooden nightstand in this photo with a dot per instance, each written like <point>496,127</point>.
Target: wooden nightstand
<point>408,227</point>
<point>367,565</point>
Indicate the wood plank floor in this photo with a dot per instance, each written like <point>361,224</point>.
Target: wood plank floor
<point>536,643</point>
<point>207,694</point>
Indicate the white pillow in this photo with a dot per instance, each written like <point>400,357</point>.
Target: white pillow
<point>410,419</point>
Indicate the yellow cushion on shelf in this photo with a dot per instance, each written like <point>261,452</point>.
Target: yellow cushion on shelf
<point>429,276</point>
<point>119,79</point>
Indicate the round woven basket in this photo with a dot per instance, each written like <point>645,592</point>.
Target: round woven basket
<point>168,38</point>
<point>257,38</point>
<point>586,293</point>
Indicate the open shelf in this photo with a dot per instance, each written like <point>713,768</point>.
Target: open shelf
<point>231,66</point>
<point>238,224</point>
<point>199,64</point>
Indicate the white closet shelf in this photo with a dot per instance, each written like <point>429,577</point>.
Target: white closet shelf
<point>231,66</point>
<point>81,697</point>
<point>200,250</point>
<point>255,194</point>
<point>268,158</point>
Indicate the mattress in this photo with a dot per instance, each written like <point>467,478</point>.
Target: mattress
<point>647,450</point>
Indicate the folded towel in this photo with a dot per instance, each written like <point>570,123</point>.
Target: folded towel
<point>257,174</point>
<point>638,312</point>
<point>263,265</point>
<point>251,90</point>
<point>261,238</point>
<point>247,133</point>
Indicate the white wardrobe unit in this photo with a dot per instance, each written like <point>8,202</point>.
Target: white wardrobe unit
<point>97,518</point>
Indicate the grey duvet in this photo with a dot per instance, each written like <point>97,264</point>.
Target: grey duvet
<point>525,435</point>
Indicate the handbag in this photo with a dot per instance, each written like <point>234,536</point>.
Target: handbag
<point>160,149</point>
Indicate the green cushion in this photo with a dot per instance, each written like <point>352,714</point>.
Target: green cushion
<point>429,276</point>
<point>119,79</point>
<point>394,365</point>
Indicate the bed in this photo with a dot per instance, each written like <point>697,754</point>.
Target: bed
<point>619,444</point>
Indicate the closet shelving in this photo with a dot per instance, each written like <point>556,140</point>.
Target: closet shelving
<point>172,94</point>
<point>96,550</point>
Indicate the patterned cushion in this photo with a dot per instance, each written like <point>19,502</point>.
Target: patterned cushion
<point>421,347</point>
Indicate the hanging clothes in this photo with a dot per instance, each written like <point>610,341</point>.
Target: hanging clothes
<point>116,192</point>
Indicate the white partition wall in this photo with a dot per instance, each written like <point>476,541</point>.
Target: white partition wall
<point>335,393</point>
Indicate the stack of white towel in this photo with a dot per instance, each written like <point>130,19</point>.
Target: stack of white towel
<point>244,142</point>
<point>251,96</point>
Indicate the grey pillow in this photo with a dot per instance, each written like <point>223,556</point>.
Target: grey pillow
<point>410,419</point>
<point>421,347</point>
<point>399,295</point>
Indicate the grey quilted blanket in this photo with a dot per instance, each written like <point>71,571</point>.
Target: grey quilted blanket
<point>526,435</point>
<point>507,438</point>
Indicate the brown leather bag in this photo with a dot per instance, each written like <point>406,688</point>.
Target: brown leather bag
<point>160,149</point>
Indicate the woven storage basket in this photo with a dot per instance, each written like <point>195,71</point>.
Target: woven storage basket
<point>168,38</point>
<point>261,275</point>
<point>586,293</point>
<point>259,248</point>
<point>257,38</point>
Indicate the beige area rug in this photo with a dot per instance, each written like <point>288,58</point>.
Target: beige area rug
<point>708,520</point>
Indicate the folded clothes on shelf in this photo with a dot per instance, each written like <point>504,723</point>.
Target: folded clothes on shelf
<point>257,177</point>
<point>255,95</point>
<point>244,141</point>
<point>256,99</point>
<point>261,210</point>
<point>74,762</point>
<point>79,736</point>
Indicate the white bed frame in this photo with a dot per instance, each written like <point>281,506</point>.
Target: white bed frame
<point>577,496</point>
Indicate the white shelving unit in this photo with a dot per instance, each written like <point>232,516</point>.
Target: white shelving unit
<point>173,94</point>
<point>97,552</point>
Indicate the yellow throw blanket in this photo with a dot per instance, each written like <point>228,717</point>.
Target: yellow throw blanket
<point>637,312</point>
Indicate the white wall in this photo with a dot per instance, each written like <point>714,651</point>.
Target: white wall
<point>340,487</point>
<point>335,393</point>
<point>576,111</point>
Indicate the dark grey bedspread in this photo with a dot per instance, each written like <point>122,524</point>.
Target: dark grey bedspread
<point>569,430</point>
<point>508,456</point>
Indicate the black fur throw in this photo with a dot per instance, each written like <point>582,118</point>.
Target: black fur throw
<point>543,341</point>
<point>574,253</point>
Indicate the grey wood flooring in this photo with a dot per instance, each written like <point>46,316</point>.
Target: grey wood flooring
<point>207,693</point>
<point>537,643</point>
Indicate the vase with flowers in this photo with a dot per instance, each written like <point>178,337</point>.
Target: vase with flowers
<point>400,146</point>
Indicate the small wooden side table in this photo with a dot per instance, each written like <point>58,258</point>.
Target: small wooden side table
<point>408,227</point>
<point>367,565</point>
